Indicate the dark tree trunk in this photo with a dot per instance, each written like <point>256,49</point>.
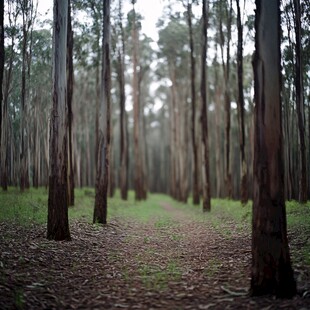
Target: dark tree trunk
<point>57,220</point>
<point>70,79</point>
<point>204,108</point>
<point>302,197</point>
<point>102,179</point>
<point>136,111</point>
<point>1,66</point>
<point>196,195</point>
<point>123,173</point>
<point>23,109</point>
<point>271,267</point>
<point>244,174</point>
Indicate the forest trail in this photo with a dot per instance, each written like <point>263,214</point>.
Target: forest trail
<point>175,260</point>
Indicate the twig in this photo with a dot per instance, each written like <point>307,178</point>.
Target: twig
<point>233,293</point>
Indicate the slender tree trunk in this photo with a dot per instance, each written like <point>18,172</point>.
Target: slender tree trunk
<point>271,267</point>
<point>100,210</point>
<point>123,174</point>
<point>136,112</point>
<point>244,174</point>
<point>204,108</point>
<point>23,110</point>
<point>57,221</point>
<point>300,106</point>
<point>2,56</point>
<point>226,70</point>
<point>69,103</point>
<point>196,194</point>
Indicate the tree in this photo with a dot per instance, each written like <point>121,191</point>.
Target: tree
<point>240,101</point>
<point>100,210</point>
<point>204,108</point>
<point>1,73</point>
<point>69,103</point>
<point>271,267</point>
<point>123,173</point>
<point>300,105</point>
<point>28,16</point>
<point>193,105</point>
<point>57,220</point>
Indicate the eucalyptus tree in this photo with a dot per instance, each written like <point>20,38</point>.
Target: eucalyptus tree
<point>70,81</point>
<point>300,104</point>
<point>2,55</point>
<point>10,121</point>
<point>271,266</point>
<point>57,220</point>
<point>240,102</point>
<point>28,12</point>
<point>174,59</point>
<point>123,168</point>
<point>196,191</point>
<point>204,108</point>
<point>102,177</point>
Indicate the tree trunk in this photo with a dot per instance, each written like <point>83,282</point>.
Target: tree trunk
<point>244,177</point>
<point>136,111</point>
<point>123,174</point>
<point>23,109</point>
<point>300,106</point>
<point>100,210</point>
<point>1,69</point>
<point>69,103</point>
<point>196,194</point>
<point>204,108</point>
<point>271,267</point>
<point>226,70</point>
<point>57,221</point>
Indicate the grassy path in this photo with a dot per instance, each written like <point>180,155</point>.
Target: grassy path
<point>152,255</point>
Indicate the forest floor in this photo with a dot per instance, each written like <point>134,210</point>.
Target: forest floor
<point>172,259</point>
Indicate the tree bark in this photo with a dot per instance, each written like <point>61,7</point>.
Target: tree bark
<point>226,71</point>
<point>57,220</point>
<point>271,267</point>
<point>2,55</point>
<point>102,179</point>
<point>204,108</point>
<point>302,197</point>
<point>244,174</point>
<point>136,111</point>
<point>196,194</point>
<point>70,81</point>
<point>123,174</point>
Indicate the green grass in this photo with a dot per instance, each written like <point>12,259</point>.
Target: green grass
<point>155,277</point>
<point>30,208</point>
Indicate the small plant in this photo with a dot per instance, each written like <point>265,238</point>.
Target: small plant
<point>19,299</point>
<point>212,268</point>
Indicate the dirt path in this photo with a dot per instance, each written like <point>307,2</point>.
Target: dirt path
<point>174,262</point>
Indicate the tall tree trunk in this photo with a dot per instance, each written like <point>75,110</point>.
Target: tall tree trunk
<point>226,70</point>
<point>69,103</point>
<point>57,220</point>
<point>300,106</point>
<point>1,68</point>
<point>123,174</point>
<point>196,194</point>
<point>271,267</point>
<point>204,108</point>
<point>136,111</point>
<point>100,210</point>
<point>244,174</point>
<point>218,139</point>
<point>23,109</point>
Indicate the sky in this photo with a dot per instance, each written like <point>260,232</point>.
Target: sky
<point>150,10</point>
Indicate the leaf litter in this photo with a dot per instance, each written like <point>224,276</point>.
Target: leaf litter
<point>182,264</point>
